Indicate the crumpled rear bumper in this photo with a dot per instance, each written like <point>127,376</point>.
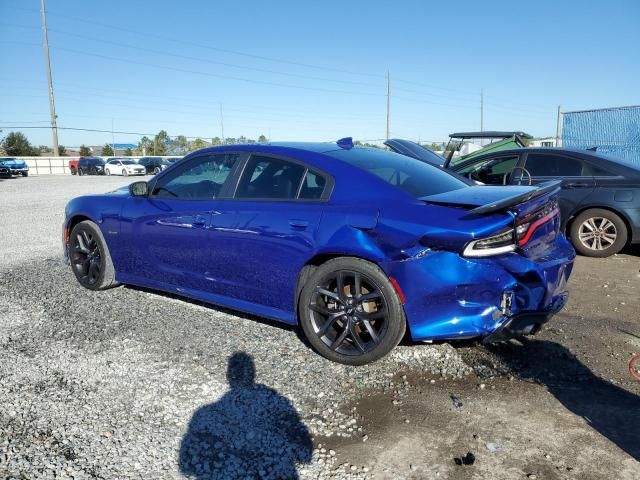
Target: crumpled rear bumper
<point>449,296</point>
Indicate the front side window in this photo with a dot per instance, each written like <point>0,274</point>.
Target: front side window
<point>270,178</point>
<point>545,165</point>
<point>200,179</point>
<point>491,171</point>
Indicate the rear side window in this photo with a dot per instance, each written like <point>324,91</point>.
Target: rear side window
<point>545,165</point>
<point>313,186</point>
<point>413,176</point>
<point>270,178</point>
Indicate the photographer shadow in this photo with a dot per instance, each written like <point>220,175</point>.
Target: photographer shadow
<point>251,432</point>
<point>610,410</point>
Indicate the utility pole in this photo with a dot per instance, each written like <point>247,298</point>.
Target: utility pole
<point>222,125</point>
<point>47,61</point>
<point>558,127</point>
<point>481,110</point>
<point>388,102</point>
<point>113,144</point>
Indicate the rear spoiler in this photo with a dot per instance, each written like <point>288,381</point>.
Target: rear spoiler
<point>505,203</point>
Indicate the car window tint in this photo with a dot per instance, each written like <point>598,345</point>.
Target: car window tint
<point>490,170</point>
<point>201,179</point>
<point>270,178</point>
<point>545,165</point>
<point>312,186</point>
<point>415,177</point>
<point>589,169</point>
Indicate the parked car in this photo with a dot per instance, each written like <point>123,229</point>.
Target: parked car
<point>173,159</point>
<point>90,166</point>
<point>154,164</point>
<point>73,166</point>
<point>123,166</point>
<point>600,197</point>
<point>15,166</point>
<point>355,245</point>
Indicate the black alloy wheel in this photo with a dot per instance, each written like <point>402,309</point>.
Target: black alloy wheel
<point>350,312</point>
<point>89,257</point>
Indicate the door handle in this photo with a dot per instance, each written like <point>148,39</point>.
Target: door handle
<point>577,185</point>
<point>302,224</point>
<point>199,221</point>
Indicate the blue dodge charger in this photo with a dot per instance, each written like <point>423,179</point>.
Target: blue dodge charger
<point>357,246</point>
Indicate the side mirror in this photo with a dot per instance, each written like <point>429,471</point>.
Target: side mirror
<point>139,189</point>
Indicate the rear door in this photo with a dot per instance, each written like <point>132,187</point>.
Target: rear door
<point>169,231</point>
<point>271,233</point>
<point>576,177</point>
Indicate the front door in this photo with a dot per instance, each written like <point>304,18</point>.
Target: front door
<point>169,231</point>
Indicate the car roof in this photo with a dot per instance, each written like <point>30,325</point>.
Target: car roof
<point>585,154</point>
<point>489,134</point>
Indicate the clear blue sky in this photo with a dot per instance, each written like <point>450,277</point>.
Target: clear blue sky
<point>149,65</point>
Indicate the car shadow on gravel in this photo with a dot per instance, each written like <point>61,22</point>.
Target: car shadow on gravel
<point>251,432</point>
<point>610,410</point>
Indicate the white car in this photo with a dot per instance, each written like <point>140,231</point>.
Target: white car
<point>124,167</point>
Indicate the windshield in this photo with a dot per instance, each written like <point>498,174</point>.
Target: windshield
<point>128,162</point>
<point>7,161</point>
<point>415,177</point>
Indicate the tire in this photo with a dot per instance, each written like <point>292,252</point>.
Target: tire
<point>598,233</point>
<point>124,172</point>
<point>80,172</point>
<point>344,338</point>
<point>156,170</point>
<point>107,172</point>
<point>25,174</point>
<point>89,257</point>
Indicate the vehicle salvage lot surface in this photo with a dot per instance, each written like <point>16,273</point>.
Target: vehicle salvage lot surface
<point>132,384</point>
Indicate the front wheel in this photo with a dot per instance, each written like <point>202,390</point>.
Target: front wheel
<point>157,170</point>
<point>598,233</point>
<point>25,174</point>
<point>350,312</point>
<point>90,258</point>
<point>107,172</point>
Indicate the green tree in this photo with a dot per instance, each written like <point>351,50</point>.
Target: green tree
<point>107,151</point>
<point>262,139</point>
<point>16,145</point>
<point>145,145</point>
<point>62,151</point>
<point>180,143</point>
<point>197,144</point>
<point>84,151</point>
<point>216,141</point>
<point>160,143</point>
<point>128,152</point>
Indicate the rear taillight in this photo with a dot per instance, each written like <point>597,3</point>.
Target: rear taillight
<point>502,242</point>
<point>526,227</point>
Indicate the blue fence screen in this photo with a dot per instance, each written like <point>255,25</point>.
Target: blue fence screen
<point>614,131</point>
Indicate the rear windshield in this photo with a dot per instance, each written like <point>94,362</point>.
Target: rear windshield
<point>413,176</point>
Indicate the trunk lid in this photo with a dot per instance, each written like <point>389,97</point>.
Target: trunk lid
<point>535,210</point>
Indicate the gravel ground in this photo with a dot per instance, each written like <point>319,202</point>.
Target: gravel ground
<point>132,384</point>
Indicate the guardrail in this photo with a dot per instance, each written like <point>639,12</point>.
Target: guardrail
<point>57,165</point>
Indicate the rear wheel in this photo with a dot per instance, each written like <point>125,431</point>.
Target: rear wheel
<point>90,258</point>
<point>350,312</point>
<point>157,170</point>
<point>124,172</point>
<point>598,233</point>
